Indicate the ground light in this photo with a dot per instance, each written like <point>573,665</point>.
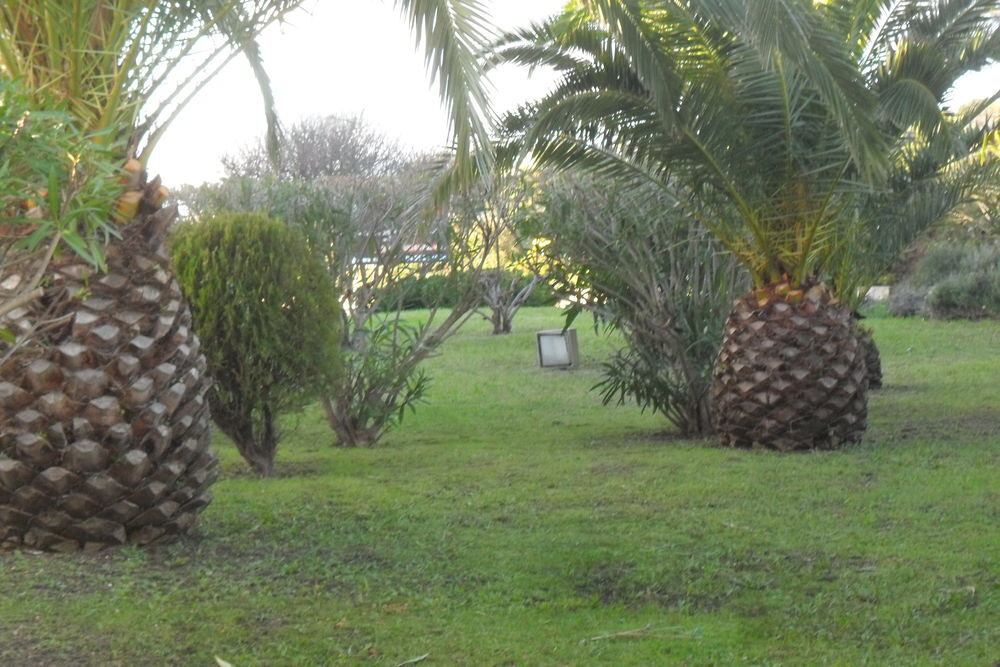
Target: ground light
<point>558,348</point>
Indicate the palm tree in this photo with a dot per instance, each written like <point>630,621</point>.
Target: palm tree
<point>105,433</point>
<point>781,127</point>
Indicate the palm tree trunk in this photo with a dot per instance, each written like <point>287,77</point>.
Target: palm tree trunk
<point>791,373</point>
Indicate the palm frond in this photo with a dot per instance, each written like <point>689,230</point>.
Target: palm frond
<point>108,60</point>
<point>453,33</point>
<point>788,124</point>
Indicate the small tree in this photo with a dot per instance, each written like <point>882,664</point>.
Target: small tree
<point>322,146</point>
<point>629,257</point>
<point>379,237</point>
<point>494,206</point>
<point>505,292</point>
<point>264,307</point>
<point>376,240</point>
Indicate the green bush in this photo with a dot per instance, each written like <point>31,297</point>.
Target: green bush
<point>346,220</point>
<point>907,300</point>
<point>57,187</point>
<point>940,261</point>
<point>966,295</point>
<point>269,320</point>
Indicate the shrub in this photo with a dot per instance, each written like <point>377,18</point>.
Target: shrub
<point>364,229</point>
<point>971,295</point>
<point>57,187</point>
<point>504,292</point>
<point>434,291</point>
<point>940,261</point>
<point>628,257</point>
<point>906,300</point>
<point>266,312</point>
<point>420,291</point>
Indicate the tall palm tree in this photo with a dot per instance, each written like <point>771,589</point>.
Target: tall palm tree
<point>780,126</point>
<point>105,434</point>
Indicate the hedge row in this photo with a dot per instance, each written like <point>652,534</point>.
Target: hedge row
<point>442,291</point>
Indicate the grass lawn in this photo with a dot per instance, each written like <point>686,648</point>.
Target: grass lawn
<point>515,520</point>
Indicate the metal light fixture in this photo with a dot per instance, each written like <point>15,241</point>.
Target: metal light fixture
<point>558,348</point>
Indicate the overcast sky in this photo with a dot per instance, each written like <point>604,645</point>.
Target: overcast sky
<point>333,57</point>
<point>352,57</point>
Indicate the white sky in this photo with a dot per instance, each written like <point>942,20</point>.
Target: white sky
<point>334,57</point>
<point>349,57</point>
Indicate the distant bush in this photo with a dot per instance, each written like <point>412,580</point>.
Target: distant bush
<point>940,261</point>
<point>907,300</point>
<point>952,280</point>
<point>421,291</point>
<point>966,295</point>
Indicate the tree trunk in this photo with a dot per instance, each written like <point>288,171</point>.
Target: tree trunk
<point>873,360</point>
<point>502,321</point>
<point>697,418</point>
<point>105,435</point>
<point>257,446</point>
<point>349,432</point>
<point>791,374</point>
<point>261,462</point>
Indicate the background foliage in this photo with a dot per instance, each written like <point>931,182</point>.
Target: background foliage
<point>321,146</point>
<point>416,292</point>
<point>952,279</point>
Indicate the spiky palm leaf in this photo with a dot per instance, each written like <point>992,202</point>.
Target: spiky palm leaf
<point>912,53</point>
<point>130,67</point>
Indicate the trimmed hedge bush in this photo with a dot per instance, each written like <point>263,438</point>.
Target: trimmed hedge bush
<point>268,318</point>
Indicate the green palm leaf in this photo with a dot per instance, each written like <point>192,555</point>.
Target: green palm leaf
<point>453,33</point>
<point>786,119</point>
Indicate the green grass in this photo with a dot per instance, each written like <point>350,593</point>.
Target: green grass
<point>513,517</point>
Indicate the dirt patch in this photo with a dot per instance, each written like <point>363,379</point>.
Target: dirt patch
<point>613,469</point>
<point>282,470</point>
<point>975,424</point>
<point>641,439</point>
<point>23,644</point>
<point>621,583</point>
<point>708,585</point>
<point>363,555</point>
<point>660,436</point>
